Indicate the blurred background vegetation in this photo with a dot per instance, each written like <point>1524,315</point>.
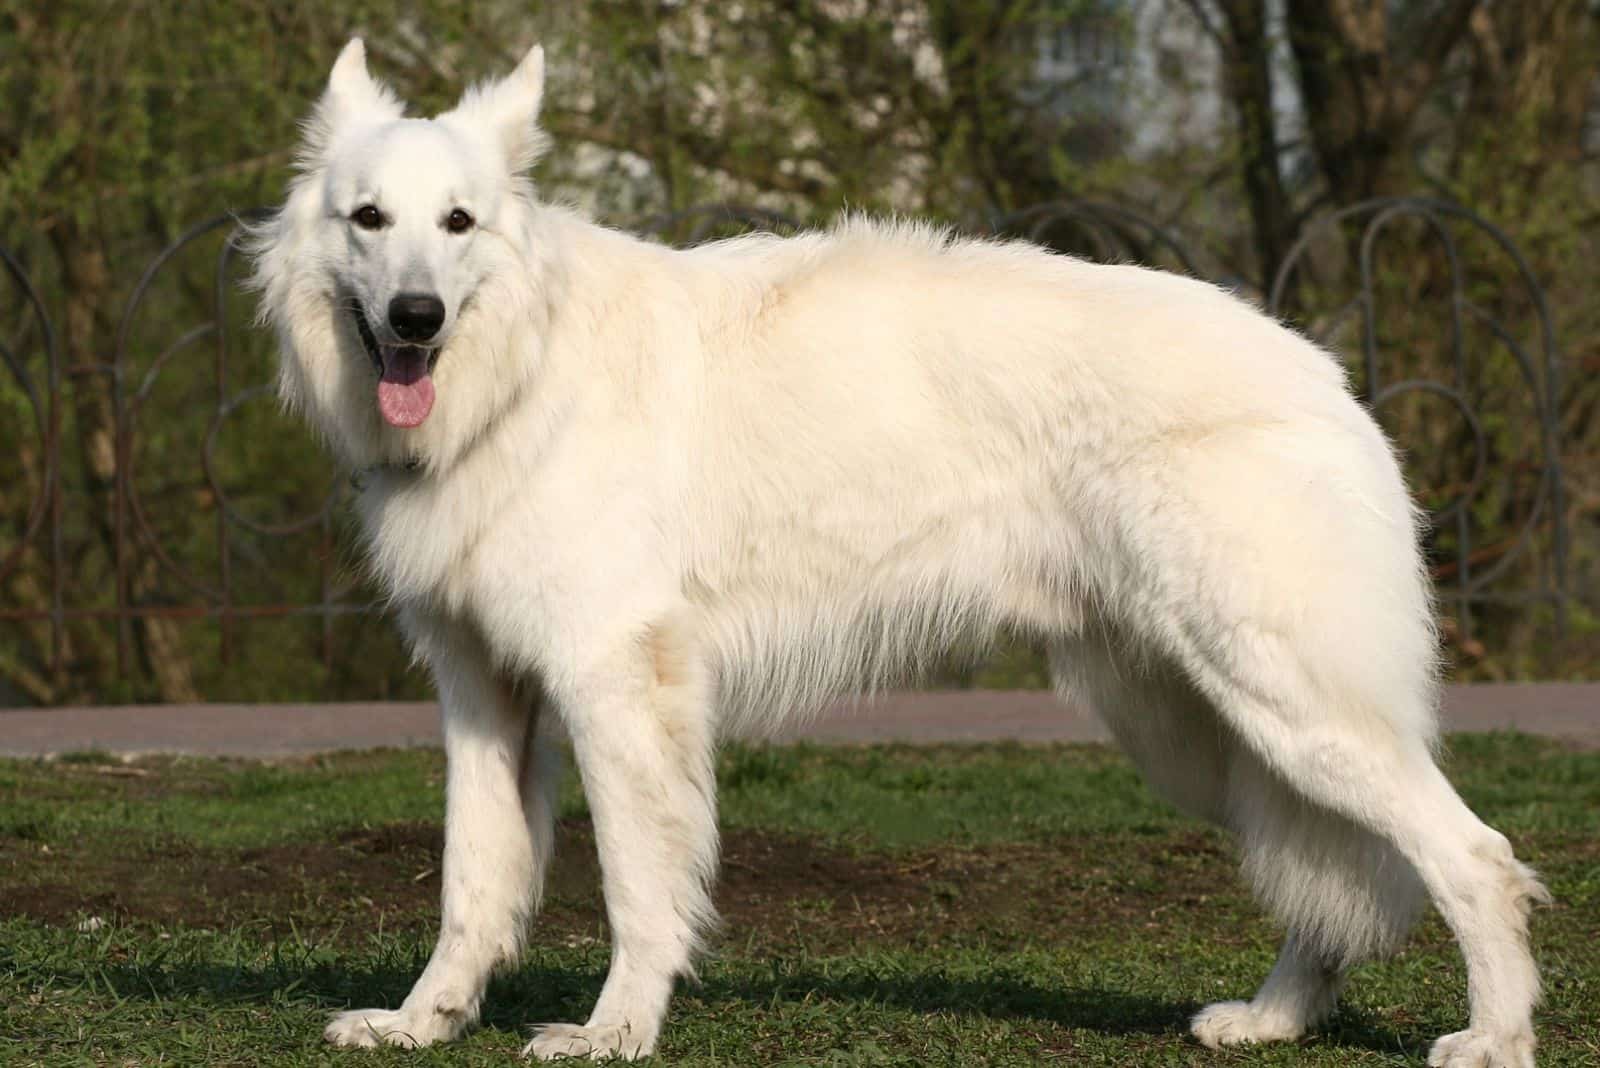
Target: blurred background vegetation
<point>1234,123</point>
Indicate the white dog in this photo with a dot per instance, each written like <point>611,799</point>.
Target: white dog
<point>639,497</point>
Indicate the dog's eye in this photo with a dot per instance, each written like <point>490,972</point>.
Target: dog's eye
<point>458,222</point>
<point>367,217</point>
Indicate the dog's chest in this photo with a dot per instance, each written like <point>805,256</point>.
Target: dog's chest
<point>428,538</point>
<point>525,559</point>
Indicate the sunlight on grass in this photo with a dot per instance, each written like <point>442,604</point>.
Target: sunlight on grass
<point>997,905</point>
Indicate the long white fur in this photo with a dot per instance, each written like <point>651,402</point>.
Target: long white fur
<point>665,495</point>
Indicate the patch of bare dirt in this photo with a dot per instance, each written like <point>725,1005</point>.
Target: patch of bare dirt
<point>775,890</point>
<point>317,885</point>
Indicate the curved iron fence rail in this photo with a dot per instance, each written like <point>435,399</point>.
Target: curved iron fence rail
<point>130,519</point>
<point>133,527</point>
<point>1098,230</point>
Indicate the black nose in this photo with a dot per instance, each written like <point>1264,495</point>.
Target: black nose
<point>416,316</point>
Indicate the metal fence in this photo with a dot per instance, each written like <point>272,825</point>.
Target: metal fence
<point>1497,538</point>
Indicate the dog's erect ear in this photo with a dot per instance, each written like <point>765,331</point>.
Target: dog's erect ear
<point>352,92</point>
<point>508,110</point>
<point>353,96</point>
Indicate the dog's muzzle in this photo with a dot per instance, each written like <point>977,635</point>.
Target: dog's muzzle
<point>405,374</point>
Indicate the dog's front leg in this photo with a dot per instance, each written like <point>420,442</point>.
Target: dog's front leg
<point>493,857</point>
<point>641,734</point>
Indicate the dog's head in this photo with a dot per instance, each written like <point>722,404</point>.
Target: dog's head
<point>402,274</point>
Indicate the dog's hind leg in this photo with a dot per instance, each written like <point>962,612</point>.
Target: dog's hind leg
<point>491,866</point>
<point>1344,893</point>
<point>1285,586</point>
<point>640,724</point>
<point>1308,865</point>
<point>1319,734</point>
<point>1300,992</point>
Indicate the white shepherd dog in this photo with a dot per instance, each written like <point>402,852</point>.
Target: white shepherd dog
<point>639,498</point>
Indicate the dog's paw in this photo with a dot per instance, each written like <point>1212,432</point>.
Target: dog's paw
<point>555,1041</point>
<point>1475,1049</point>
<point>1233,1023</point>
<point>385,1027</point>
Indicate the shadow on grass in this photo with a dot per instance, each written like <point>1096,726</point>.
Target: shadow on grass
<point>539,993</point>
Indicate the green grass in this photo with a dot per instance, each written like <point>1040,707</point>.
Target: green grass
<point>999,905</point>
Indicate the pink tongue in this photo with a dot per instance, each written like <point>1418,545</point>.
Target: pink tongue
<point>405,392</point>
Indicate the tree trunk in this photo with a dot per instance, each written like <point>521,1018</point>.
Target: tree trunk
<point>1362,94</point>
<point>1247,80</point>
<point>87,331</point>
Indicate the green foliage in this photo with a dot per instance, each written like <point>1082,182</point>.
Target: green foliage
<point>125,124</point>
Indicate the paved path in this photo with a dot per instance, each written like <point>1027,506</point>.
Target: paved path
<point>1567,711</point>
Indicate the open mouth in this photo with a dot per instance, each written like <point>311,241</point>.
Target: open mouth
<point>405,375</point>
